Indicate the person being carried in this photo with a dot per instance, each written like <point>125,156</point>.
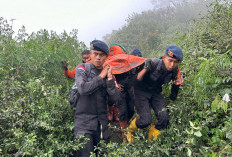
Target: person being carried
<point>95,89</point>
<point>124,81</point>
<point>113,109</point>
<point>148,90</point>
<point>71,73</point>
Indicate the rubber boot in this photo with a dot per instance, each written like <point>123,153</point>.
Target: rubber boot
<point>110,112</point>
<point>153,133</point>
<point>123,125</point>
<point>132,129</point>
<point>116,113</point>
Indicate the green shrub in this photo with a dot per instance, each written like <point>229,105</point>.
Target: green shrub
<point>35,115</point>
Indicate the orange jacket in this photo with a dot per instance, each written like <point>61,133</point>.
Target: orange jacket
<point>70,74</point>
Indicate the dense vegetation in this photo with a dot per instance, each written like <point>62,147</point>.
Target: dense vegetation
<point>35,116</point>
<point>151,31</point>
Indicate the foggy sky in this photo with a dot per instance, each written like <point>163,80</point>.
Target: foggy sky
<point>92,18</point>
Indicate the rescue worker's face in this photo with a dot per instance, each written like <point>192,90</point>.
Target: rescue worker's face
<point>98,58</point>
<point>85,58</point>
<point>170,63</point>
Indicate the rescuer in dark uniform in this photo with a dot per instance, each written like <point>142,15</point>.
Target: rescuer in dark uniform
<point>148,90</point>
<point>95,88</point>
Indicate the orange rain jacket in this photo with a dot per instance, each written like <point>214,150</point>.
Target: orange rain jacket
<point>118,59</point>
<point>122,62</point>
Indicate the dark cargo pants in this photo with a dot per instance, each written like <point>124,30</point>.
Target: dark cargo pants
<point>126,105</point>
<point>144,101</point>
<point>93,139</point>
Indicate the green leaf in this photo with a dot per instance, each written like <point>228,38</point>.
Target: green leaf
<point>189,152</point>
<point>224,105</point>
<point>198,134</point>
<point>215,104</point>
<point>191,123</point>
<point>229,135</point>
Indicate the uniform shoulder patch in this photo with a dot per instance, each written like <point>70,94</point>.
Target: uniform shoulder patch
<point>81,68</point>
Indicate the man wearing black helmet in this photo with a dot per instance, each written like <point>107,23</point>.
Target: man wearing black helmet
<point>95,87</point>
<point>148,90</point>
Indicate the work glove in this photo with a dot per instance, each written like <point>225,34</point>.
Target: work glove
<point>64,65</point>
<point>147,64</point>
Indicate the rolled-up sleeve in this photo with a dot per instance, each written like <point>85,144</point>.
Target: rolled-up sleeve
<point>84,86</point>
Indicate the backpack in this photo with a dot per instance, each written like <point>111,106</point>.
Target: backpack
<point>74,94</point>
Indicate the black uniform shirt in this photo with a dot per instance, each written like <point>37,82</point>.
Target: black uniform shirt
<point>156,77</point>
<point>92,103</point>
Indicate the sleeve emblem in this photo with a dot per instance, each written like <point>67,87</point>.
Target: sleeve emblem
<point>81,68</point>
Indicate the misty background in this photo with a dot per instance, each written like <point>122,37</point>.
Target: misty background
<point>92,18</point>
<point>35,115</point>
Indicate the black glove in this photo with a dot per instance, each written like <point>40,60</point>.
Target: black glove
<point>147,64</point>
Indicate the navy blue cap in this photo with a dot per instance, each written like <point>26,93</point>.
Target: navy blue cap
<point>99,46</point>
<point>174,52</point>
<point>136,52</point>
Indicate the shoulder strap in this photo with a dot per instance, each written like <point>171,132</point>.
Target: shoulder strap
<point>87,68</point>
<point>158,63</point>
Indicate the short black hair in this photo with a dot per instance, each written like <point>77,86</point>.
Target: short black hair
<point>85,52</point>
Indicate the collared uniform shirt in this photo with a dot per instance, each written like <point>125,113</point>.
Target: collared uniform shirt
<point>92,103</point>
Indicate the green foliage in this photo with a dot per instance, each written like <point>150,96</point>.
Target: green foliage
<point>200,120</point>
<point>35,115</point>
<point>152,31</point>
<point>208,68</point>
